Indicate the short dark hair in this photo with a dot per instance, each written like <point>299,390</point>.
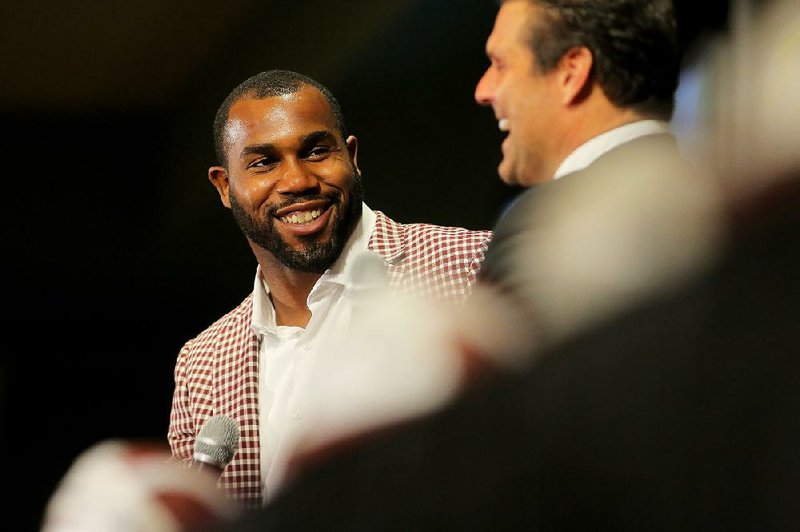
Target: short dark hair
<point>266,85</point>
<point>634,44</point>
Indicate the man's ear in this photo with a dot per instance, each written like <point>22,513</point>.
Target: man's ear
<point>352,149</point>
<point>219,178</point>
<point>574,74</point>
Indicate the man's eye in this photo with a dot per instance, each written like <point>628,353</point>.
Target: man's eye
<point>318,152</point>
<point>262,163</point>
<point>496,63</point>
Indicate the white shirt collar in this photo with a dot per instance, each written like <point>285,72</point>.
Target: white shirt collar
<point>340,272</point>
<point>590,150</point>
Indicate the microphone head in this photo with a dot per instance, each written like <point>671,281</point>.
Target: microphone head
<point>217,441</point>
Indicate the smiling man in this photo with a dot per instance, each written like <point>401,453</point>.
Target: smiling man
<point>289,173</point>
<point>569,81</point>
<point>581,88</point>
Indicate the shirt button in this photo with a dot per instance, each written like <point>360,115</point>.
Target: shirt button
<point>306,347</point>
<point>297,415</point>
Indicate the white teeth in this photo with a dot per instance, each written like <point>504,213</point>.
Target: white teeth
<point>502,124</point>
<point>301,217</point>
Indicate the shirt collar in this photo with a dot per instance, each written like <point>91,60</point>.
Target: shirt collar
<point>340,272</point>
<point>590,150</point>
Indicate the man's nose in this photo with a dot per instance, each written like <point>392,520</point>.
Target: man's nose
<point>484,91</point>
<point>297,179</point>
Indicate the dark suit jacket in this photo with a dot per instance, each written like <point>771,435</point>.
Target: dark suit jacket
<point>681,414</point>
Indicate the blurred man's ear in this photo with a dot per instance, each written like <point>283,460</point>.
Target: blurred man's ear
<point>574,72</point>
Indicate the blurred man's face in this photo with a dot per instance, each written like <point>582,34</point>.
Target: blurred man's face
<point>292,181</point>
<point>525,102</point>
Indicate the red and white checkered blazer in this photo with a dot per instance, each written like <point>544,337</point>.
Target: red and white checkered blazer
<point>217,371</point>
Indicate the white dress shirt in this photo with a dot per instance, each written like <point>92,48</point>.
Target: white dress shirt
<point>287,353</point>
<point>587,152</point>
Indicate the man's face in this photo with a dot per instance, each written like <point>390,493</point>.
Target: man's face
<point>524,101</point>
<point>292,182</point>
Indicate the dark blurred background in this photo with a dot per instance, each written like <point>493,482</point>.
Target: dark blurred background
<point>117,248</point>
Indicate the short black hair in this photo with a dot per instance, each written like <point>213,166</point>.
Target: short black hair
<point>634,44</point>
<point>266,85</point>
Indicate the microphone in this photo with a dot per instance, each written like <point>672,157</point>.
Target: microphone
<point>216,444</point>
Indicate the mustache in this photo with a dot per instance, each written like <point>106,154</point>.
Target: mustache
<point>332,197</point>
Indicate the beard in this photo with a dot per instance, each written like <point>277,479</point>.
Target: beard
<point>313,255</point>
